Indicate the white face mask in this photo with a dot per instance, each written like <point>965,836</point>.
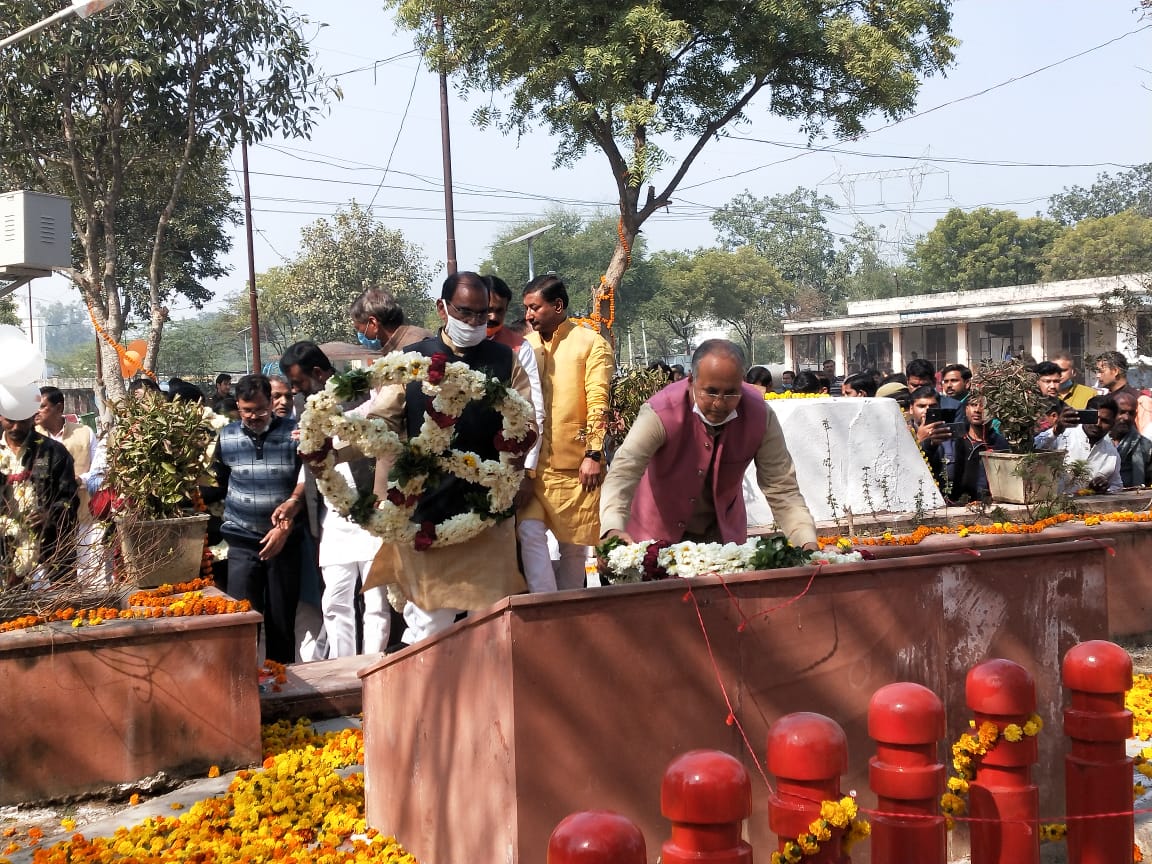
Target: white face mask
<point>732,415</point>
<point>465,335</point>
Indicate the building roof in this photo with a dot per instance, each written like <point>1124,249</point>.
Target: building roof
<point>1049,299</point>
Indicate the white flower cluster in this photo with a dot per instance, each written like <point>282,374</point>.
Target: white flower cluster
<point>687,560</point>
<point>323,421</point>
<point>21,545</point>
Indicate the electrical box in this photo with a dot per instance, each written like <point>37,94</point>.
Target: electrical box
<point>35,232</point>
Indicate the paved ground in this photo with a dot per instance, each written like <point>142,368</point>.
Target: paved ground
<point>337,688</point>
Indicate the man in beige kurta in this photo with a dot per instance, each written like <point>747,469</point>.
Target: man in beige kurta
<point>440,582</point>
<point>576,367</point>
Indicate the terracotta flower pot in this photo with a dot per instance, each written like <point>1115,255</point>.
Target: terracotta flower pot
<point>159,551</point>
<point>1015,478</point>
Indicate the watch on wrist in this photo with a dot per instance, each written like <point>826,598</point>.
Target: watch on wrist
<point>594,455</point>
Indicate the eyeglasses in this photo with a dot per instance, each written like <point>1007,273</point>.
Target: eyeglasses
<point>716,396</point>
<point>254,415</point>
<point>472,316</point>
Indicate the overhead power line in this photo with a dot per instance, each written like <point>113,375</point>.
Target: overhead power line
<point>926,111</point>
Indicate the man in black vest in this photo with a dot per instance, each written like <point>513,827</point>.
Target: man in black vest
<point>442,581</point>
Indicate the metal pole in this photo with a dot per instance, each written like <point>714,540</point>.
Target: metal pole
<point>631,352</point>
<point>80,8</point>
<point>531,263</point>
<point>446,147</point>
<point>31,326</point>
<point>253,309</point>
<point>644,338</point>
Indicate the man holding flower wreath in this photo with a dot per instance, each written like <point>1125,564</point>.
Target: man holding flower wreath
<point>440,581</point>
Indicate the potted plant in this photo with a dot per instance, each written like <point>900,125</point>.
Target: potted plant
<point>1011,395</point>
<point>159,453</point>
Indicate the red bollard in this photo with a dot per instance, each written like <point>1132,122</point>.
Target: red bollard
<point>907,722</point>
<point>596,837</point>
<point>706,795</point>
<point>1003,801</point>
<point>1097,771</point>
<point>807,752</point>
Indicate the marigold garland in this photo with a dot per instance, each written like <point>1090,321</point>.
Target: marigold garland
<point>166,601</point>
<point>834,816</point>
<point>298,810</point>
<point>921,532</point>
<point>968,750</point>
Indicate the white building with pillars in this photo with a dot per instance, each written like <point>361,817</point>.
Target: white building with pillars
<point>970,327</point>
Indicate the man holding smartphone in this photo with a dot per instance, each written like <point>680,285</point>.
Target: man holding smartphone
<point>1083,435</point>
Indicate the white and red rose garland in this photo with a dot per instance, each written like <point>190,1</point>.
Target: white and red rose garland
<point>448,389</point>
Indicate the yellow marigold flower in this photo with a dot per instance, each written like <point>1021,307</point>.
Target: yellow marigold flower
<point>952,805</point>
<point>987,736</point>
<point>958,785</point>
<point>469,460</point>
<point>1031,729</point>
<point>1013,733</point>
<point>808,844</point>
<point>1037,721</point>
<point>214,771</point>
<point>963,532</point>
<point>67,824</point>
<point>176,805</point>
<point>848,805</point>
<point>134,800</point>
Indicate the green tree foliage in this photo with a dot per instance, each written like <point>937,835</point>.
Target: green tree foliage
<point>680,303</point>
<point>1108,196</point>
<point>1108,246</point>
<point>8,312</point>
<point>121,107</point>
<point>746,292</point>
<point>575,249</point>
<point>790,231</point>
<point>867,273</point>
<point>624,77</point>
<point>984,248</point>
<point>197,348</point>
<point>308,298</point>
<point>66,326</point>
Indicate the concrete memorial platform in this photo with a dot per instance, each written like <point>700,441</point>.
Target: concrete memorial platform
<point>90,707</point>
<point>480,740</point>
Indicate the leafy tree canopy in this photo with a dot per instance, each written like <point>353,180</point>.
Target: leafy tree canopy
<point>1128,190</point>
<point>116,112</point>
<point>1108,246</point>
<point>308,298</point>
<point>983,248</point>
<point>789,231</point>
<point>575,249</point>
<point>745,291</point>
<point>618,76</point>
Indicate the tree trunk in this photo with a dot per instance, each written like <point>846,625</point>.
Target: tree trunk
<point>617,267</point>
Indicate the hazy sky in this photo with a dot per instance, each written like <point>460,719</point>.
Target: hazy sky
<point>1086,114</point>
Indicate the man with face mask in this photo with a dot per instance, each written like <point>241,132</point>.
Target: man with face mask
<point>440,582</point>
<point>379,322</point>
<point>257,470</point>
<point>678,475</point>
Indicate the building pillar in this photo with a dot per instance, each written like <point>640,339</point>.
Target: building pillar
<point>1126,339</point>
<point>963,357</point>
<point>1038,349</point>
<point>838,349</point>
<point>788,351</point>
<point>895,334</point>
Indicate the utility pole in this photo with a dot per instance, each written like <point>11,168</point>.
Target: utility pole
<point>446,148</point>
<point>253,307</point>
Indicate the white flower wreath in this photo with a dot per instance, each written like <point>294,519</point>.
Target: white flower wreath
<point>451,387</point>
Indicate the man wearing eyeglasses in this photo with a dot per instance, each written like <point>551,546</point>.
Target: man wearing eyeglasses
<point>679,473</point>
<point>257,469</point>
<point>441,581</point>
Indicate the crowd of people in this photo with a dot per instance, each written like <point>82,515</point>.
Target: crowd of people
<point>678,475</point>
<point>1105,432</point>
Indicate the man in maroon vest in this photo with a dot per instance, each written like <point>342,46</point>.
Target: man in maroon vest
<point>678,475</point>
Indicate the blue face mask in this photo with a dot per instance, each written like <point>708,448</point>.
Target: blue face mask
<point>371,344</point>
